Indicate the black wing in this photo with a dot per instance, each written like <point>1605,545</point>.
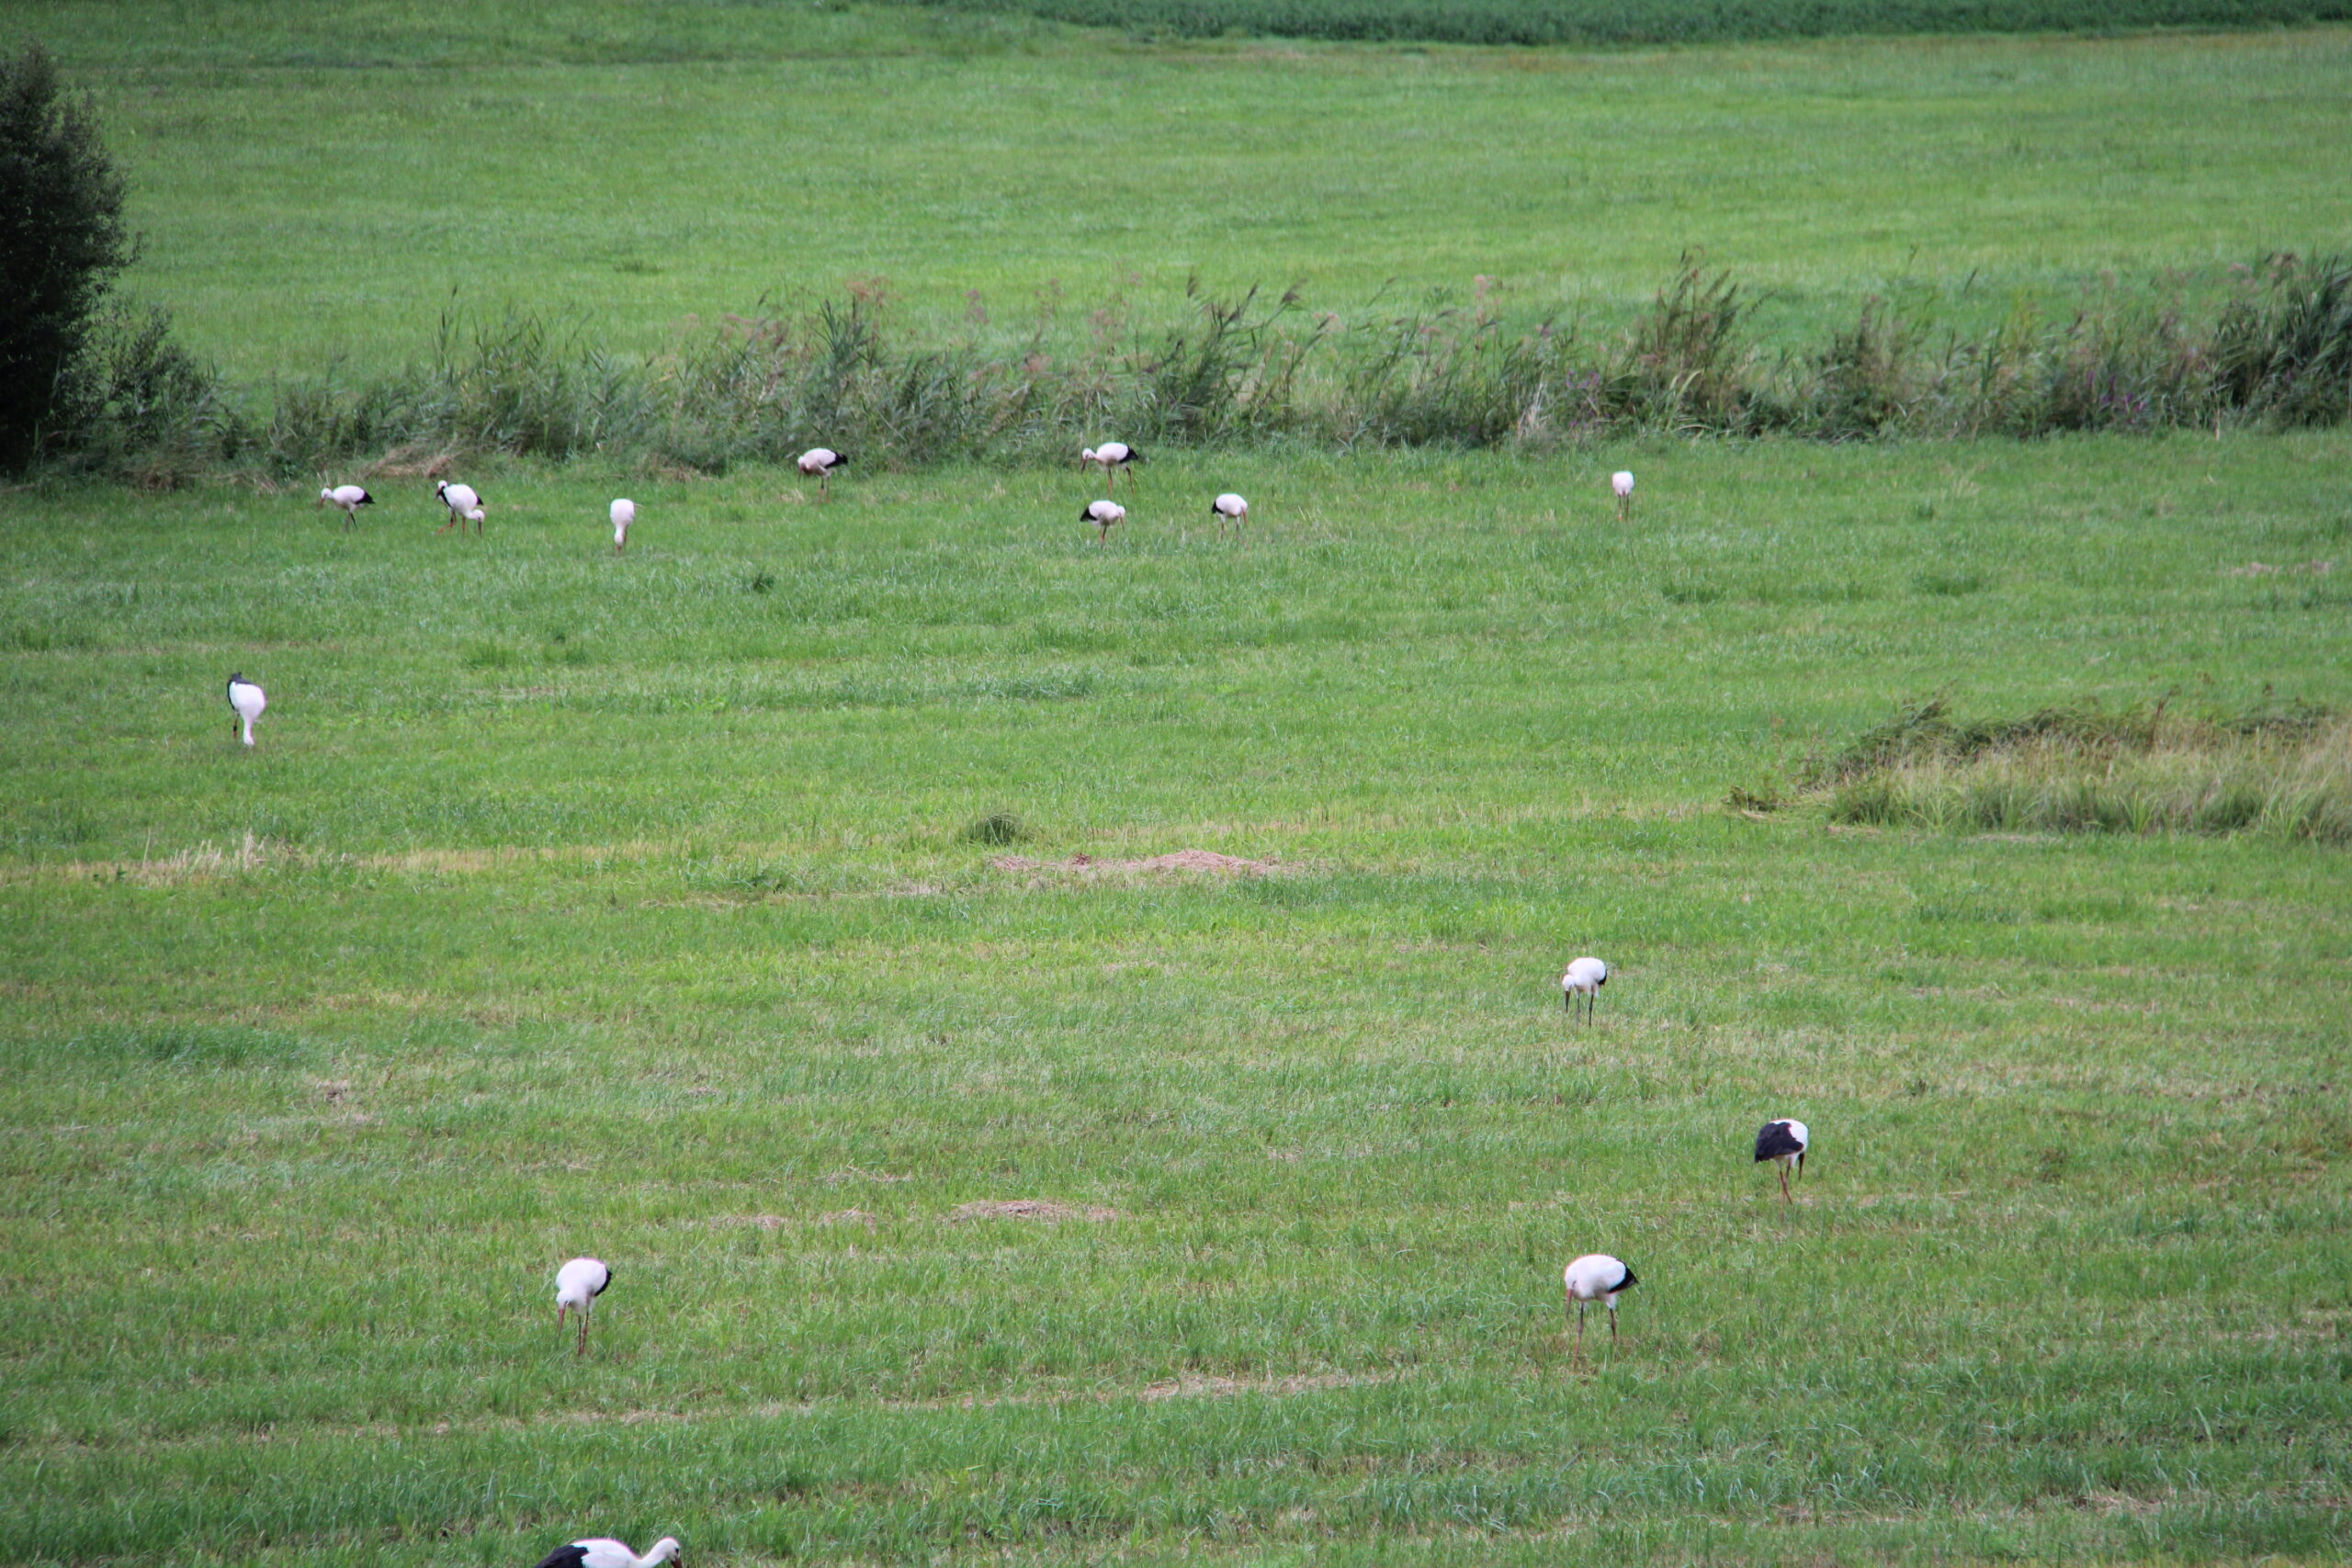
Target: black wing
<point>608,1279</point>
<point>565,1557</point>
<point>366,500</point>
<point>1776,1140</point>
<point>1626,1282</point>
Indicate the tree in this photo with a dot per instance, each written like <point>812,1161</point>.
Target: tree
<point>61,242</point>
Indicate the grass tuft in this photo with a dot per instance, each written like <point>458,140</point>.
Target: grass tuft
<point>2138,770</point>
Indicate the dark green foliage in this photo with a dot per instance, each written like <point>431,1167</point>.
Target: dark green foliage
<point>998,828</point>
<point>61,242</point>
<point>1649,22</point>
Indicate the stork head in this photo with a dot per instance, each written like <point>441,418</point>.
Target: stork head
<point>1087,456</point>
<point>325,496</point>
<point>664,1550</point>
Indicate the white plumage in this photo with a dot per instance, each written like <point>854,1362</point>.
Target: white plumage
<point>820,461</point>
<point>577,1284</point>
<point>1783,1142</point>
<point>602,1552</point>
<point>1622,481</point>
<point>1229,508</point>
<point>1110,457</point>
<point>1584,977</point>
<point>1596,1277</point>
<point>1105,515</point>
<point>464,503</point>
<point>248,700</point>
<point>351,498</point>
<point>623,513</point>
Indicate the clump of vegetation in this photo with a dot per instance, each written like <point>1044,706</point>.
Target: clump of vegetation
<point>84,377</point>
<point>2141,769</point>
<point>998,828</point>
<point>1648,21</point>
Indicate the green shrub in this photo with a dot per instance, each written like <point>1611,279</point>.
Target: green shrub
<point>61,242</point>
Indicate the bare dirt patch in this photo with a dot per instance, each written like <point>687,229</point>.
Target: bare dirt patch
<point>1027,1209</point>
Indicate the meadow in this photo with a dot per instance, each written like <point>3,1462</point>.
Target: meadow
<point>318,185</point>
<point>646,905</point>
<point>784,910</point>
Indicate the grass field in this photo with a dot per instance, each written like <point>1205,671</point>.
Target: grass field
<point>764,911</point>
<point>318,182</point>
<point>573,903</point>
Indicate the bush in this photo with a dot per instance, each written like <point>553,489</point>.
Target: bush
<point>61,242</point>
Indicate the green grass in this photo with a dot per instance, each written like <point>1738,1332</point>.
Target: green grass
<point>318,182</point>
<point>633,905</point>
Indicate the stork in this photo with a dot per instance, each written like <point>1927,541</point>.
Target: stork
<point>1596,1277</point>
<point>1584,977</point>
<point>1110,457</point>
<point>351,498</point>
<point>1622,481</point>
<point>1783,1142</point>
<point>623,513</point>
<point>1105,515</point>
<point>602,1552</point>
<point>1230,508</point>
<point>247,699</point>
<point>821,461</point>
<point>578,1283</point>
<point>464,503</point>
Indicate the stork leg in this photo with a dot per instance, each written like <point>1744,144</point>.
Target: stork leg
<point>1784,1184</point>
<point>583,1333</point>
<point>1579,1333</point>
<point>1613,1325</point>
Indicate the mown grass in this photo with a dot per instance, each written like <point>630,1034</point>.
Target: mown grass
<point>631,905</point>
<point>315,182</point>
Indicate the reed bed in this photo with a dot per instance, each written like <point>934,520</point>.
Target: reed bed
<point>2274,352</point>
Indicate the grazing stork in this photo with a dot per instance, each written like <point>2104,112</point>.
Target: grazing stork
<point>1783,1142</point>
<point>1230,508</point>
<point>1105,515</point>
<point>351,498</point>
<point>1110,457</point>
<point>1622,481</point>
<point>623,513</point>
<point>821,461</point>
<point>602,1552</point>
<point>464,503</point>
<point>1596,1277</point>
<point>1584,977</point>
<point>247,700</point>
<point>577,1284</point>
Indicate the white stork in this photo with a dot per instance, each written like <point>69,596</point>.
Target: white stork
<point>1584,977</point>
<point>1105,515</point>
<point>1783,1142</point>
<point>247,699</point>
<point>578,1283</point>
<point>820,461</point>
<point>602,1552</point>
<point>351,498</point>
<point>623,513</point>
<point>1596,1277</point>
<point>1110,457</point>
<point>464,503</point>
<point>1622,481</point>
<point>1230,508</point>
